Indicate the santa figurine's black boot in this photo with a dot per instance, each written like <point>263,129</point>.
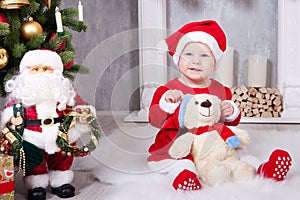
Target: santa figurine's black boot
<point>38,193</point>
<point>64,191</point>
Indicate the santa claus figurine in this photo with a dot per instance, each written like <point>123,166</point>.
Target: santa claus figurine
<point>44,95</point>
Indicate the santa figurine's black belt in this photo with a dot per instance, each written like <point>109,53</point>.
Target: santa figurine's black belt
<point>47,121</point>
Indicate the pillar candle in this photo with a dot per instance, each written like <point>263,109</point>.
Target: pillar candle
<point>225,68</point>
<point>80,11</point>
<point>257,71</point>
<point>58,21</point>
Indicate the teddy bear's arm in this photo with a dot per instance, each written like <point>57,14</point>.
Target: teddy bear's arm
<point>227,135</point>
<point>233,141</point>
<point>243,135</point>
<point>182,146</point>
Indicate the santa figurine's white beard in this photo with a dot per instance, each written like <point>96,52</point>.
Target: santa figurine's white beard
<point>32,89</point>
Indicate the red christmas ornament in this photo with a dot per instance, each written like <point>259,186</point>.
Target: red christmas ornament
<point>63,153</point>
<point>61,45</point>
<point>3,19</point>
<point>48,2</point>
<point>69,64</point>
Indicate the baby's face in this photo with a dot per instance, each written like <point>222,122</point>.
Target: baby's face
<point>196,62</point>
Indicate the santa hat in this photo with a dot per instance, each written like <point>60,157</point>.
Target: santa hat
<point>41,57</point>
<point>207,32</point>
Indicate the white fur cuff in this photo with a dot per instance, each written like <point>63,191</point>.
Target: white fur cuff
<point>58,178</point>
<point>34,181</point>
<point>236,111</point>
<point>166,106</point>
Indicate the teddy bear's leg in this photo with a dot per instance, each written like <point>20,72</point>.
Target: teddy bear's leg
<point>277,166</point>
<point>240,170</point>
<point>213,172</point>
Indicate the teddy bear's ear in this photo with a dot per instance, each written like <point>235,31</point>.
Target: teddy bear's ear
<point>182,109</point>
<point>187,97</point>
<point>217,99</point>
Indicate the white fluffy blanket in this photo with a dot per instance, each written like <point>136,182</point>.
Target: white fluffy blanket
<point>121,161</point>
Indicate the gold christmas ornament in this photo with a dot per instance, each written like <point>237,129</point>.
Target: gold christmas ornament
<point>13,4</point>
<point>3,57</point>
<point>30,29</point>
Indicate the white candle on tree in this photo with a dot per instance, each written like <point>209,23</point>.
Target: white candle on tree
<point>226,67</point>
<point>257,71</point>
<point>58,21</point>
<point>80,11</point>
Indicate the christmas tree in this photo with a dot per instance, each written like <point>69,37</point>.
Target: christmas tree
<point>33,24</point>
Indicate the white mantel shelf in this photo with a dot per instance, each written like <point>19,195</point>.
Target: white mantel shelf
<point>266,120</point>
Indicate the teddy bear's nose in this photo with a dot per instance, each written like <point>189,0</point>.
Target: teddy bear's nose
<point>206,104</point>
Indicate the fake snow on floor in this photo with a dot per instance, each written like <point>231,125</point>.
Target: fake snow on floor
<point>121,161</point>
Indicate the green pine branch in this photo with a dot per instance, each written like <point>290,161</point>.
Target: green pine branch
<point>35,42</point>
<point>19,50</point>
<point>68,20</point>
<point>4,30</point>
<point>33,8</point>
<point>78,69</point>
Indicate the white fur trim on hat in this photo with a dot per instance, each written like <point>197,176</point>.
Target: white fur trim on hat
<point>41,57</point>
<point>198,36</point>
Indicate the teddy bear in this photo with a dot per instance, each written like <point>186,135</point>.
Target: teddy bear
<point>211,144</point>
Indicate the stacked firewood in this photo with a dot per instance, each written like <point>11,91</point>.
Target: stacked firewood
<point>258,102</point>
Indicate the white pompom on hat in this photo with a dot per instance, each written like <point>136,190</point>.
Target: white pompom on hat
<point>208,32</point>
<point>41,57</point>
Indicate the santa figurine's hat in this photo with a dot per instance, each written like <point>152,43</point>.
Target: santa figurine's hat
<point>208,32</point>
<point>41,57</point>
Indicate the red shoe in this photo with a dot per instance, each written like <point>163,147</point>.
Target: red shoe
<point>277,167</point>
<point>187,180</point>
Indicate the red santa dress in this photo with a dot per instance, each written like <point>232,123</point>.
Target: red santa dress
<point>165,115</point>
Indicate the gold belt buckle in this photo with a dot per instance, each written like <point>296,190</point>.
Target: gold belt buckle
<point>48,124</point>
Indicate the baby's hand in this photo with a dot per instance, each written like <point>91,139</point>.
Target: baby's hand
<point>226,109</point>
<point>16,120</point>
<point>174,96</point>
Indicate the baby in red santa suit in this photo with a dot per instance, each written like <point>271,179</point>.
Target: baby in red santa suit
<point>45,94</point>
<point>196,48</point>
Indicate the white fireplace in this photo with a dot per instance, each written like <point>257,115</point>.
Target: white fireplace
<point>152,14</point>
